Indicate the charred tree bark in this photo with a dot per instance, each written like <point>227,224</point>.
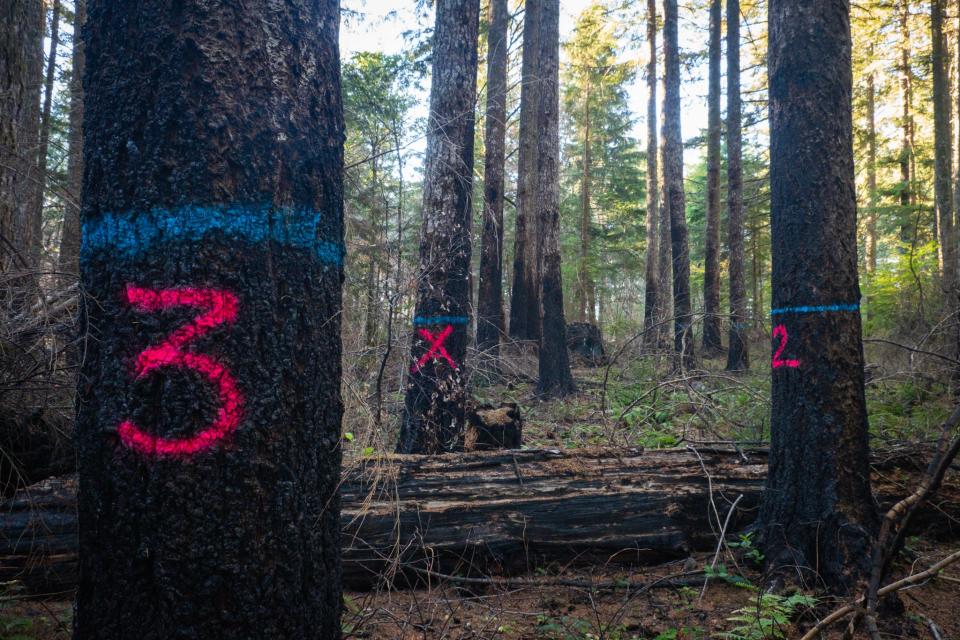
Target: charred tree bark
<point>69,260</point>
<point>652,293</point>
<point>497,512</point>
<point>434,410</point>
<point>738,356</point>
<point>871,240</point>
<point>41,182</point>
<point>943,151</point>
<point>525,293</point>
<point>21,65</point>
<point>554,363</point>
<point>673,181</point>
<point>665,289</point>
<point>490,320</point>
<point>712,343</point>
<point>818,511</point>
<point>209,399</point>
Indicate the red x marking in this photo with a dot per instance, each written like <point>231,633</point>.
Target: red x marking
<point>436,349</point>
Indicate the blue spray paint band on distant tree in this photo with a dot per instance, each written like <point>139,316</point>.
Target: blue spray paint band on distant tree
<point>827,308</point>
<point>131,233</point>
<point>429,321</point>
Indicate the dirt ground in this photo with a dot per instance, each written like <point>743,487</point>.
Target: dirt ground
<point>539,607</point>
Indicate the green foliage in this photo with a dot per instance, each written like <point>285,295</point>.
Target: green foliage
<point>768,618</point>
<point>750,552</point>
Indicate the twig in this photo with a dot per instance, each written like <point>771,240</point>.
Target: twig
<point>720,544</point>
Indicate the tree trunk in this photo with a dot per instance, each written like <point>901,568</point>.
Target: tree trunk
<point>554,363</point>
<point>508,512</point>
<point>41,182</point>
<point>818,510</point>
<point>69,261</point>
<point>738,355</point>
<point>665,288</point>
<point>673,179</point>
<point>213,252</point>
<point>906,125</point>
<point>711,277</point>
<point>21,65</point>
<point>871,240</point>
<point>584,286</point>
<point>652,293</point>
<point>490,321</point>
<point>434,410</point>
<point>525,293</point>
<point>943,152</point>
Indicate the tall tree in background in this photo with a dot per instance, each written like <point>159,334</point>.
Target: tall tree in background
<point>490,320</point>
<point>44,145</point>
<point>651,300</point>
<point>943,155</point>
<point>21,62</point>
<point>817,510</point>
<point>434,411</point>
<point>711,276</point>
<point>209,400</point>
<point>871,239</point>
<point>70,235</point>
<point>585,301</point>
<point>673,185</point>
<point>554,363</point>
<point>906,126</point>
<point>525,293</point>
<point>738,358</point>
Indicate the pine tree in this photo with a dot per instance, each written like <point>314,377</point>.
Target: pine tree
<point>711,277</point>
<point>653,293</point>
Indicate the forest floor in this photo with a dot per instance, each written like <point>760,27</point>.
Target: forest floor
<point>634,403</point>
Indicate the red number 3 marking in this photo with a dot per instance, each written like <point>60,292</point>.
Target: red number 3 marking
<point>217,307</point>
<point>780,331</point>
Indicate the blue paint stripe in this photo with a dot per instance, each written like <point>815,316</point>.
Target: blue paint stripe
<point>421,321</point>
<point>817,309</point>
<point>132,233</point>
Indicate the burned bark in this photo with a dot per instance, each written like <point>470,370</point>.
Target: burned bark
<point>818,511</point>
<point>490,320</point>
<point>209,397</point>
<point>651,301</point>
<point>434,409</point>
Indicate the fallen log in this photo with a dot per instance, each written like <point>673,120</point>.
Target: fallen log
<point>494,513</point>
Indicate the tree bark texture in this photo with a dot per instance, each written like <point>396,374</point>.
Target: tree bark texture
<point>817,511</point>
<point>585,301</point>
<point>711,276</point>
<point>738,355</point>
<point>525,293</point>
<point>673,181</point>
<point>493,512</point>
<point>21,62</point>
<point>209,397</point>
<point>434,410</point>
<point>652,294</point>
<point>490,320</point>
<point>44,145</point>
<point>872,196</point>
<point>665,288</point>
<point>906,126</point>
<point>69,260</point>
<point>943,151</point>
<point>554,362</point>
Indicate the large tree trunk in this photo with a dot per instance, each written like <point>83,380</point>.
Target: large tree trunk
<point>665,288</point>
<point>41,182</point>
<point>525,293</point>
<point>209,397</point>
<point>711,277</point>
<point>69,261</point>
<point>673,181</point>
<point>434,410</point>
<point>943,152</point>
<point>490,321</point>
<point>738,357</point>
<point>21,64</point>
<point>554,362</point>
<point>818,511</point>
<point>497,512</point>
<point>872,196</point>
<point>585,302</point>
<point>652,292</point>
